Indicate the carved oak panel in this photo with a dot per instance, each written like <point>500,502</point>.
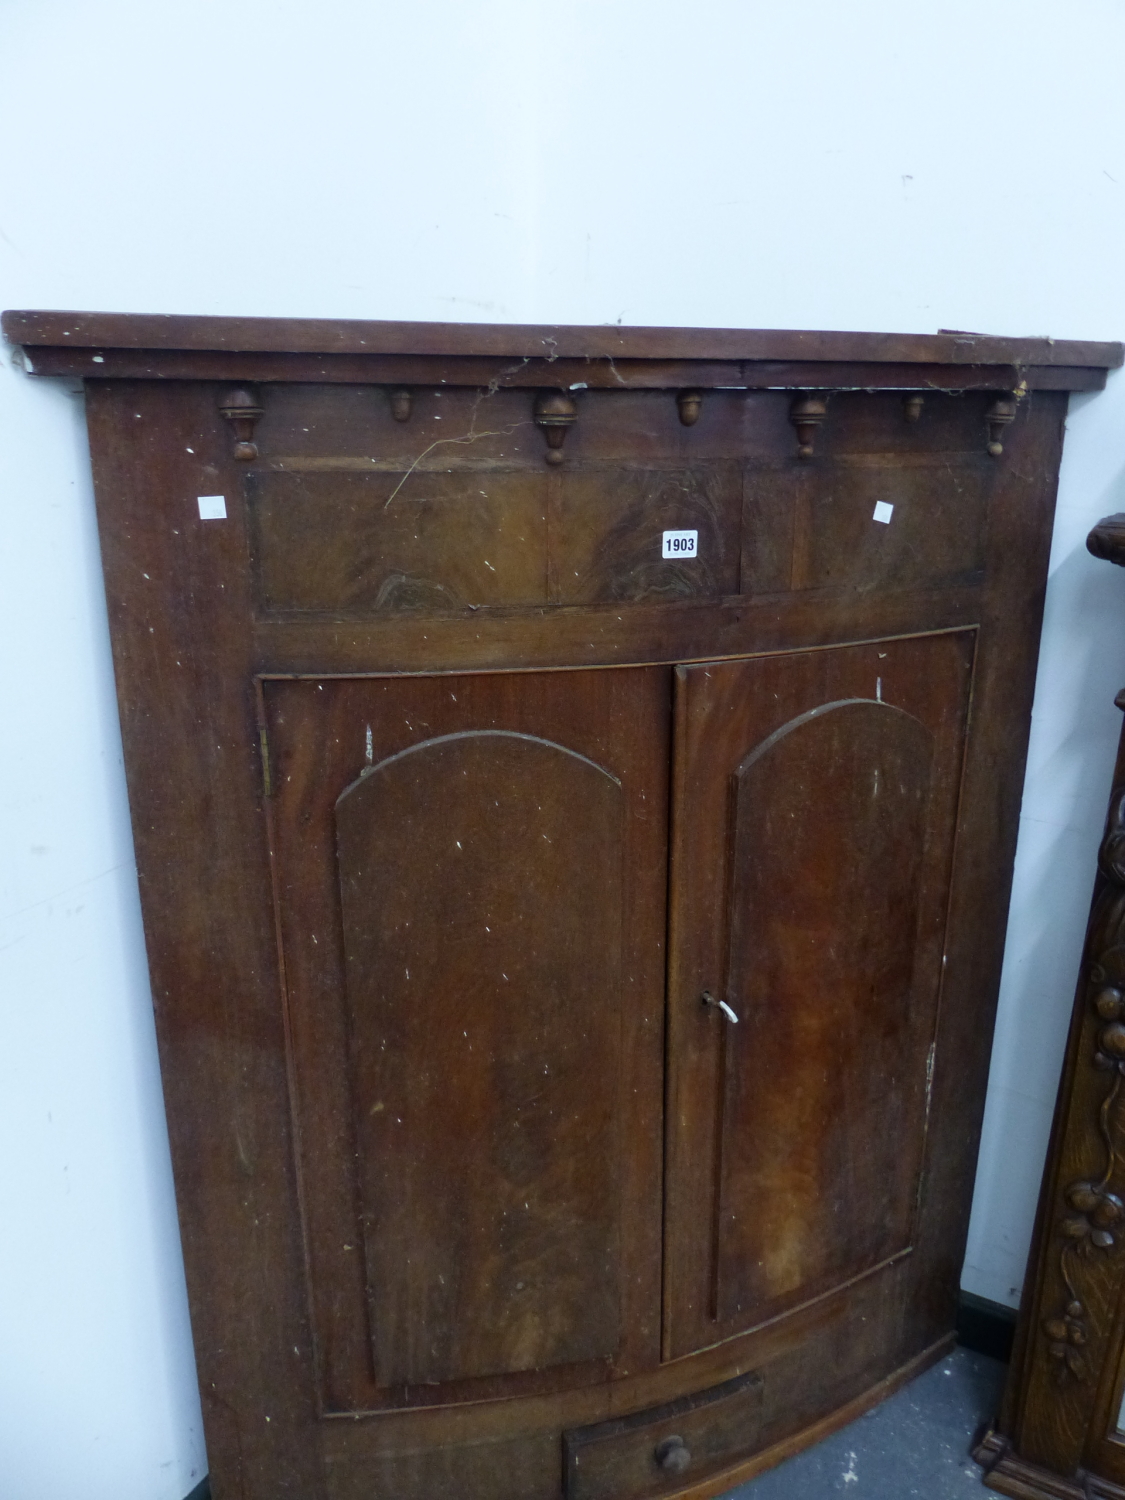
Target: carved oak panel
<point>1061,1423</point>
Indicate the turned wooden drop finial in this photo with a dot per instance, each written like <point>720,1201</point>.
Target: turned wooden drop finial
<point>401,404</point>
<point>555,412</point>
<point>690,404</point>
<point>240,408</point>
<point>999,414</point>
<point>806,415</point>
<point>912,406</point>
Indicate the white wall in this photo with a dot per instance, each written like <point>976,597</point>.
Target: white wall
<point>734,162</point>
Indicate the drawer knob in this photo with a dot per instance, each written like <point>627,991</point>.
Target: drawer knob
<point>673,1455</point>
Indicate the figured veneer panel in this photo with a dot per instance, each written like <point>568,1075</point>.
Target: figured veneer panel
<point>385,542</point>
<point>936,530</point>
<point>775,508</point>
<point>813,820</point>
<point>823,915</point>
<point>804,529</point>
<point>607,528</point>
<point>563,1164</point>
<point>481,883</point>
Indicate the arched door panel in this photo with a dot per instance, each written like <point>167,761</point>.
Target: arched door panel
<point>814,813</point>
<point>483,1000</point>
<point>470,877</point>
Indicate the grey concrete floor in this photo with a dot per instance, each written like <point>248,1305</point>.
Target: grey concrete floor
<point>916,1444</point>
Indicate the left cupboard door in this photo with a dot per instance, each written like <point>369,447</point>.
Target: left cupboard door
<point>469,880</point>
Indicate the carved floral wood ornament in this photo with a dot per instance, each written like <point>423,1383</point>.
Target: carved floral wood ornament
<point>1059,1433</point>
<point>490,914</point>
<point>1095,1216</point>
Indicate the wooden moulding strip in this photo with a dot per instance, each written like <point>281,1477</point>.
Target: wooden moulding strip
<point>324,336</point>
<point>139,346</point>
<point>108,363</point>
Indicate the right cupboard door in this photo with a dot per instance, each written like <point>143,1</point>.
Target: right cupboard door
<point>814,816</point>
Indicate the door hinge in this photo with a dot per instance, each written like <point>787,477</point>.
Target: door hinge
<point>264,744</point>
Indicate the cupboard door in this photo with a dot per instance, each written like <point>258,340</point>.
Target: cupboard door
<point>470,889</point>
<point>814,811</point>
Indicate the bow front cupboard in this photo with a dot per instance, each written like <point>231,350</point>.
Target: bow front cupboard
<point>574,776</point>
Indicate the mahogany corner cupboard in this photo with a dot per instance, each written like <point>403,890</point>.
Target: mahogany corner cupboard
<point>574,777</point>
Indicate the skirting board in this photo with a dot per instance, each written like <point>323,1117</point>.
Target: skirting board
<point>986,1327</point>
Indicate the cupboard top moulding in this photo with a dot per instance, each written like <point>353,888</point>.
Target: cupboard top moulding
<point>104,345</point>
<point>575,777</point>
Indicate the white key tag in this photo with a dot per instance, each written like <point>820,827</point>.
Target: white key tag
<point>680,544</point>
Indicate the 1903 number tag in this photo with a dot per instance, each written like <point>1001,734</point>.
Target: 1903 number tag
<point>680,544</point>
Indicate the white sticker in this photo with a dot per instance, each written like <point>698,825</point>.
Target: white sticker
<point>883,512</point>
<point>680,544</point>
<point>212,507</point>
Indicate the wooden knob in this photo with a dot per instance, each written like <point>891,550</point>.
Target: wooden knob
<point>672,1455</point>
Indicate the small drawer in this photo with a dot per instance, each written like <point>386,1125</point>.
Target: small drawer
<point>662,1450</point>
